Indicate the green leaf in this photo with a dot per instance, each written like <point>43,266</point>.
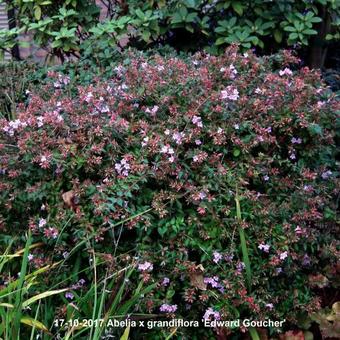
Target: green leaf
<point>43,295</point>
<point>293,36</point>
<point>220,41</point>
<point>220,29</point>
<point>191,17</point>
<point>278,36</point>
<point>183,12</point>
<point>315,19</point>
<point>34,323</point>
<point>290,29</point>
<point>190,3</point>
<point>315,129</point>
<point>140,14</point>
<point>253,333</point>
<point>176,18</point>
<point>267,25</point>
<point>126,333</point>
<point>189,28</point>
<point>236,152</point>
<point>37,12</point>
<point>146,36</point>
<point>7,305</point>
<point>309,31</point>
<point>244,247</point>
<point>237,7</point>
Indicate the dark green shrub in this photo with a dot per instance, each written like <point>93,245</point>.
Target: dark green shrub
<point>214,177</point>
<point>15,80</point>
<point>186,24</point>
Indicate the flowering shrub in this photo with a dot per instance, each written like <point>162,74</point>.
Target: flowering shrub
<point>169,166</point>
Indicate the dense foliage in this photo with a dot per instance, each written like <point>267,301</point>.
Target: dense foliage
<point>186,24</point>
<point>201,187</point>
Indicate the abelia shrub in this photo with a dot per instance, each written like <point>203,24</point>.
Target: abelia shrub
<point>145,170</point>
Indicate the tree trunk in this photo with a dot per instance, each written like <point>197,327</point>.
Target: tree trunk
<point>318,47</point>
<point>11,24</point>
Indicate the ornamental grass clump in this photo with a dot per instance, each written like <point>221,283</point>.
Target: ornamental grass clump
<point>214,177</point>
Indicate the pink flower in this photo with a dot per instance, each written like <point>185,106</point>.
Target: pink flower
<point>233,71</point>
<point>200,157</point>
<point>292,156</point>
<point>152,111</point>
<point>210,313</point>
<point>283,255</point>
<point>202,195</point>
<point>326,174</point>
<point>45,161</point>
<point>104,108</point>
<point>308,188</point>
<point>40,121</point>
<point>13,126</point>
<point>88,97</point>
<point>61,80</point>
<point>213,281</point>
<point>296,140</point>
<point>42,222</point>
<point>201,210</point>
<point>298,230</point>
<point>122,168</point>
<point>286,71</point>
<point>51,233</point>
<point>69,296</point>
<point>217,257</point>
<point>145,267</point>
<point>197,121</point>
<point>165,281</point>
<point>264,247</point>
<point>177,137</point>
<point>145,141</point>
<point>168,308</point>
<point>119,69</point>
<point>167,149</point>
<point>320,104</point>
<point>240,266</point>
<point>230,93</point>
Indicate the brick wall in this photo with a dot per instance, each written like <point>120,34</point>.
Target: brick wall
<point>4,23</point>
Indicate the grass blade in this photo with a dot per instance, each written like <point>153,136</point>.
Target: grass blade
<point>34,323</point>
<point>244,248</point>
<point>126,333</point>
<point>43,295</point>
<point>253,333</point>
<point>17,312</point>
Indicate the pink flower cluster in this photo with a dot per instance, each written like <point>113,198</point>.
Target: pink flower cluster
<point>211,314</point>
<point>230,93</point>
<point>168,308</point>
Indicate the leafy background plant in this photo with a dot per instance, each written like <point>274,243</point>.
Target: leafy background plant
<point>185,24</point>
